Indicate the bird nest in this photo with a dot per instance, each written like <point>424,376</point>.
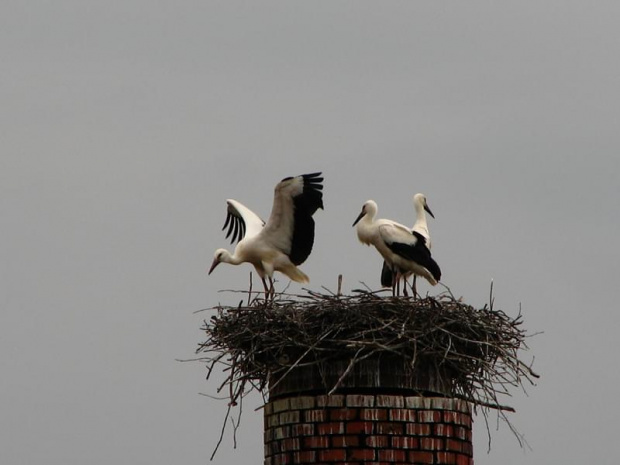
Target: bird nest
<point>260,343</point>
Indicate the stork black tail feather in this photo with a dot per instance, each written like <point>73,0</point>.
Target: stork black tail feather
<point>387,276</point>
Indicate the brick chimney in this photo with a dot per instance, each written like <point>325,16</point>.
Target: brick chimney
<point>375,417</point>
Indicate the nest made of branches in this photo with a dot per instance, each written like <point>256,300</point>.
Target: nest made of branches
<point>262,341</point>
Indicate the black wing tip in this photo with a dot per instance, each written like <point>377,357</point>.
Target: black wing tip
<point>236,227</point>
<point>316,174</point>
<point>313,191</point>
<point>310,178</point>
<point>314,178</point>
<point>435,270</point>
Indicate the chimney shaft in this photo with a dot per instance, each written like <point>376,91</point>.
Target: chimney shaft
<point>367,428</point>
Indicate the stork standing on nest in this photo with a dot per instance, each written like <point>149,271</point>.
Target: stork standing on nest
<point>420,226</point>
<point>285,241</point>
<point>404,250</point>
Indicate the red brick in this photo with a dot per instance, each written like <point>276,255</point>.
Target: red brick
<point>417,402</point>
<point>330,428</point>
<point>282,432</point>
<point>268,408</point>
<point>357,400</point>
<point>393,455</point>
<point>378,441</point>
<point>389,428</point>
<point>446,458</point>
<point>272,421</point>
<point>373,414</point>
<point>303,402</point>
<point>402,414</point>
<point>458,418</point>
<point>356,427</point>
<point>316,442</point>
<point>273,448</point>
<point>345,441</point>
<point>442,403</point>
<point>343,414</point>
<point>281,405</point>
<point>303,429</point>
<point>290,444</point>
<point>460,405</point>
<point>431,444</point>
<point>281,459</point>
<point>405,442</point>
<point>289,417</point>
<point>308,456</point>
<point>464,460</point>
<point>454,445</point>
<point>420,457</point>
<point>333,455</point>
<point>335,400</point>
<point>311,416</point>
<point>390,401</point>
<point>361,454</point>
<point>417,429</point>
<point>443,430</point>
<point>462,433</point>
<point>429,416</point>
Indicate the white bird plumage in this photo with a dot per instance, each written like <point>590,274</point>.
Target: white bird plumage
<point>403,250</point>
<point>420,226</point>
<point>285,240</point>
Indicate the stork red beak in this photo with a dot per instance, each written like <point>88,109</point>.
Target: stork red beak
<point>215,263</point>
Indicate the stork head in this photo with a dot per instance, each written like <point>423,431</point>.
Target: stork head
<point>218,258</point>
<point>369,208</point>
<point>419,200</point>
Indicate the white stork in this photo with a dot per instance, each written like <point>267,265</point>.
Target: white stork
<point>404,250</point>
<point>420,226</point>
<point>282,243</point>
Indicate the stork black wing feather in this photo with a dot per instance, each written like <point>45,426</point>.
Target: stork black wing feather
<point>418,253</point>
<point>305,205</point>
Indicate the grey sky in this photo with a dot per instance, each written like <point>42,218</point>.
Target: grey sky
<point>124,126</point>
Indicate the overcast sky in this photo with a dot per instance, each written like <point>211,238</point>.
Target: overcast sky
<point>124,126</point>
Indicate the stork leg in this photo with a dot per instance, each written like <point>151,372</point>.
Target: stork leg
<point>272,289</point>
<point>266,289</point>
<point>414,289</point>
<point>394,282</point>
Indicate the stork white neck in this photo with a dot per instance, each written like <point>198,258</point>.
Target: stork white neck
<point>418,202</point>
<point>227,257</point>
